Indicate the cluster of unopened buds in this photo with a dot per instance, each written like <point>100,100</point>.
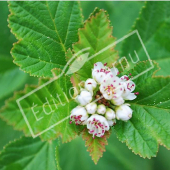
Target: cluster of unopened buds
<point>102,100</point>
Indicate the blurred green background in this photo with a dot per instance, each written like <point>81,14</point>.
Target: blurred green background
<point>74,155</point>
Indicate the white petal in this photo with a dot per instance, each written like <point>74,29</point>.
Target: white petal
<point>98,65</point>
<point>118,101</point>
<point>129,96</point>
<point>114,71</point>
<point>99,77</point>
<point>111,122</point>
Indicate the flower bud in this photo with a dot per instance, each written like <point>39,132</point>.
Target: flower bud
<point>124,112</point>
<point>101,109</point>
<point>118,101</point>
<point>79,115</point>
<point>90,84</point>
<point>91,108</point>
<point>98,76</point>
<point>110,114</point>
<point>129,87</point>
<point>84,98</point>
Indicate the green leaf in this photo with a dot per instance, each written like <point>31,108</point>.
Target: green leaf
<point>96,146</point>
<point>149,125</point>
<point>47,110</point>
<point>121,13</point>
<point>96,35</point>
<point>153,26</point>
<point>45,31</point>
<point>28,153</point>
<point>7,39</point>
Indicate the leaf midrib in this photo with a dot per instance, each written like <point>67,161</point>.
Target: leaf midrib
<point>56,27</point>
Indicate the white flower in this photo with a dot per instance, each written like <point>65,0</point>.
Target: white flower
<point>111,88</point>
<point>123,112</point>
<point>97,72</point>
<point>98,76</point>
<point>112,72</point>
<point>110,114</point>
<point>111,122</point>
<point>101,109</point>
<point>100,71</point>
<point>91,108</point>
<point>129,87</point>
<point>97,125</point>
<point>118,101</point>
<point>90,85</point>
<point>84,98</point>
<point>78,115</point>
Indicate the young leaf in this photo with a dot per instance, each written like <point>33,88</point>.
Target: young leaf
<point>96,36</point>
<point>95,146</point>
<point>46,111</point>
<point>29,153</point>
<point>149,125</point>
<point>45,31</point>
<point>153,26</point>
<point>116,157</point>
<point>116,11</point>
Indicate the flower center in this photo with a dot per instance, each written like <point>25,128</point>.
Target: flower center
<point>101,99</point>
<point>110,89</point>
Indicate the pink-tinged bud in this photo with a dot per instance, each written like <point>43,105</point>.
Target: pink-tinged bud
<point>78,115</point>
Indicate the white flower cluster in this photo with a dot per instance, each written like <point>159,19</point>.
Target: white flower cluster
<point>102,100</point>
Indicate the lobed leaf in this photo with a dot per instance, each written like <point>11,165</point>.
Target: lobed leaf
<point>94,39</point>
<point>28,154</point>
<point>45,31</point>
<point>47,110</point>
<point>149,125</point>
<point>153,26</point>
